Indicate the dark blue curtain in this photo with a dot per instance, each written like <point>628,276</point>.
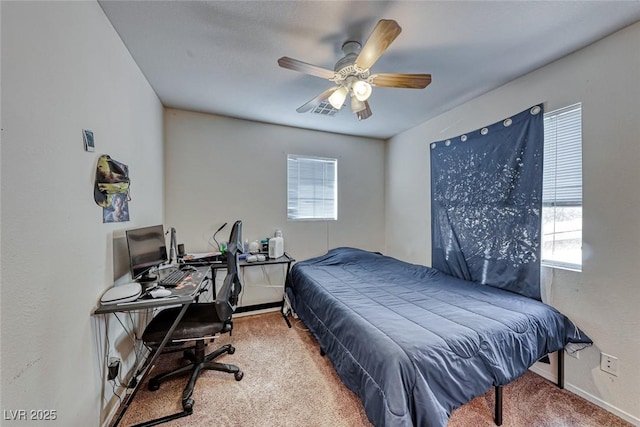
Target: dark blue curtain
<point>486,200</point>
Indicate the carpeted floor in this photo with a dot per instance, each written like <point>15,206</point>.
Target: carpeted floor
<point>288,383</point>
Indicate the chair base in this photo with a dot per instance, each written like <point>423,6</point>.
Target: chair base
<point>199,362</point>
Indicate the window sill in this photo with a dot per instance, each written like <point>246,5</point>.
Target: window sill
<point>562,266</point>
<point>312,219</point>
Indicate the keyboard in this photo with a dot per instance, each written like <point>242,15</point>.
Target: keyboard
<point>173,278</point>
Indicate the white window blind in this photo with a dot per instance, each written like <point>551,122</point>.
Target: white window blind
<point>562,188</point>
<point>312,188</point>
<point>562,179</point>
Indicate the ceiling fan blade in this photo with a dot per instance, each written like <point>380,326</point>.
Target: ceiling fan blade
<point>303,67</point>
<point>317,100</point>
<point>383,34</point>
<point>366,113</point>
<point>408,81</point>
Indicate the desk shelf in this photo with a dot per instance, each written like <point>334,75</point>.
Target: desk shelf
<point>253,298</point>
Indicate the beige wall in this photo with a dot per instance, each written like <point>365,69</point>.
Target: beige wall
<point>220,169</point>
<point>64,68</point>
<point>604,299</point>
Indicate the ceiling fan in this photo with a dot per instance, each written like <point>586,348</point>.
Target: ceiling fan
<point>351,73</point>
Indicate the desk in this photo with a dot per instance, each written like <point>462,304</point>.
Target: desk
<point>284,260</point>
<point>184,294</point>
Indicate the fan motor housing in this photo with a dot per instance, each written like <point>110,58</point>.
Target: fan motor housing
<point>345,67</point>
<point>351,50</point>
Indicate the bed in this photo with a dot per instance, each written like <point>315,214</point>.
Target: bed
<point>414,343</point>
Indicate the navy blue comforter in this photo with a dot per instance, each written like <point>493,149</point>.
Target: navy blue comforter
<point>415,343</point>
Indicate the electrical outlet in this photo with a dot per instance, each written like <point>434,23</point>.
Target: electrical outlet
<point>609,363</point>
<point>114,368</point>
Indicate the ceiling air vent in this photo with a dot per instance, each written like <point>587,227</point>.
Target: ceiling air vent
<point>325,109</point>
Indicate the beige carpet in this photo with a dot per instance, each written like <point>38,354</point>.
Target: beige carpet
<point>287,383</point>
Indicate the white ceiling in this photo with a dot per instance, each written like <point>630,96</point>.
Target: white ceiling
<point>221,56</point>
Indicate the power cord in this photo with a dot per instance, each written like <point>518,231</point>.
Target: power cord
<point>113,388</point>
<point>214,235</point>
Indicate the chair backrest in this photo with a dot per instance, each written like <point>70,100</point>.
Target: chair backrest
<point>227,297</point>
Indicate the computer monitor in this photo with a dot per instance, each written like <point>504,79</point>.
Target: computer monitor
<point>147,249</point>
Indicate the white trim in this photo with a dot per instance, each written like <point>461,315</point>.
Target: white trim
<point>561,265</point>
<point>115,403</point>
<point>588,397</point>
<point>254,312</point>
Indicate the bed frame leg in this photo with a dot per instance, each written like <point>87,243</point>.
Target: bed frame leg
<point>561,368</point>
<point>498,405</point>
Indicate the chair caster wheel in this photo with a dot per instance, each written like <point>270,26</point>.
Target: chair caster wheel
<point>231,350</point>
<point>238,375</point>
<point>187,405</point>
<point>153,384</point>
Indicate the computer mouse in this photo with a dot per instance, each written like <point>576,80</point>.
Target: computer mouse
<point>160,292</point>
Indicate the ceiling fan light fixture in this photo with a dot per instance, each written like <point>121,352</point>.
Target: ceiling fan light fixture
<point>351,75</point>
<point>364,114</point>
<point>357,105</point>
<point>361,90</point>
<point>337,97</point>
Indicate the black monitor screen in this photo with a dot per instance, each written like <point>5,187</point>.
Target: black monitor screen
<point>147,249</point>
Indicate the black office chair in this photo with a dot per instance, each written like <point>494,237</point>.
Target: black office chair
<point>201,322</point>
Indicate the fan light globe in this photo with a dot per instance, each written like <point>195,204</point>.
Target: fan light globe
<point>337,98</point>
<point>362,90</point>
<point>357,105</point>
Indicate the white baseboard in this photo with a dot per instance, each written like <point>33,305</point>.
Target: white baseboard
<point>114,405</point>
<point>588,397</point>
<point>115,402</point>
<point>254,312</point>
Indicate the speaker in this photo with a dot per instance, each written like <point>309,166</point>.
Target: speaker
<point>122,293</point>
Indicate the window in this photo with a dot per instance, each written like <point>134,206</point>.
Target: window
<point>562,189</point>
<point>312,188</point>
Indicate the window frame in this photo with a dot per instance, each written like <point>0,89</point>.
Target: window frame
<point>325,161</point>
<point>568,201</point>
